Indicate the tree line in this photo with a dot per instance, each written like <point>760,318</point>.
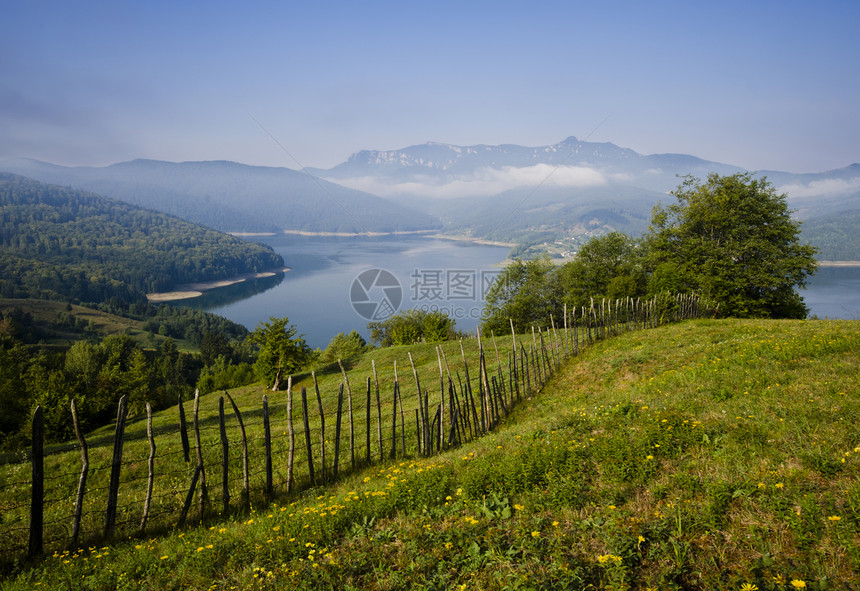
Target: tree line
<point>729,238</point>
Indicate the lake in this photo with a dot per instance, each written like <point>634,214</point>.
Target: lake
<point>323,295</point>
<point>338,284</point>
<point>834,292</point>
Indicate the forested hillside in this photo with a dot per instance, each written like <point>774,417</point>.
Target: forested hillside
<point>59,242</point>
<point>835,235</point>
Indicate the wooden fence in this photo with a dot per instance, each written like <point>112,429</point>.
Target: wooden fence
<point>160,472</point>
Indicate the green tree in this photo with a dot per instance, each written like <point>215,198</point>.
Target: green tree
<point>281,350</point>
<point>525,292</point>
<point>412,326</point>
<point>606,266</point>
<point>343,346</point>
<point>731,239</point>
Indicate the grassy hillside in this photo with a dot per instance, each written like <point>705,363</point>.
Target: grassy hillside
<point>705,455</point>
<point>60,324</point>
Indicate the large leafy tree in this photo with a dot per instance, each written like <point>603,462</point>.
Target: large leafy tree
<point>732,239</point>
<point>282,350</point>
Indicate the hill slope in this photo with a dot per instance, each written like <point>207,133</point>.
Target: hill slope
<point>234,197</point>
<point>69,244</point>
<point>705,455</point>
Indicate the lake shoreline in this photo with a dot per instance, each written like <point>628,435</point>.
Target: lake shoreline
<point>839,263</point>
<point>188,291</point>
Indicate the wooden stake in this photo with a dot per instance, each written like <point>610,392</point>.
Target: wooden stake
<point>82,480</point>
<point>322,427</point>
<point>225,458</point>
<point>308,435</point>
<point>246,476</point>
<point>37,497</point>
<point>351,422</point>
<point>267,441</point>
<point>116,464</point>
<point>337,430</point>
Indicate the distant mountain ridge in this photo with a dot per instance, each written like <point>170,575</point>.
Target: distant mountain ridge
<point>234,197</point>
<point>572,188</point>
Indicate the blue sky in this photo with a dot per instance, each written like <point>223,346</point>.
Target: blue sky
<point>763,85</point>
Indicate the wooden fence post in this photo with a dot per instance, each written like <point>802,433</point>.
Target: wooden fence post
<point>367,422</point>
<point>267,440</point>
<point>423,430</point>
<point>183,432</point>
<point>308,435</point>
<point>378,411</point>
<point>37,499</point>
<point>394,419</point>
<point>402,416</point>
<point>150,482</point>
<point>322,427</point>
<point>190,496</point>
<point>116,464</point>
<point>291,435</point>
<point>225,457</point>
<point>82,480</point>
<point>246,477</point>
<point>441,399</point>
<point>203,493</point>
<point>351,422</point>
<point>337,431</point>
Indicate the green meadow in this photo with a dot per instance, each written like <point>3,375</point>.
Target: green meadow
<point>709,454</point>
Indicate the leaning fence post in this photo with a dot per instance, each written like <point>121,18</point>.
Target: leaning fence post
<point>267,440</point>
<point>322,427</point>
<point>190,497</point>
<point>225,457</point>
<point>116,464</point>
<point>394,420</point>
<point>351,423</point>
<point>183,432</point>
<point>378,411</point>
<point>308,435</point>
<point>337,431</point>
<point>367,421</point>
<point>150,482</point>
<point>37,501</point>
<point>204,495</point>
<point>292,434</point>
<point>82,481</point>
<point>246,484</point>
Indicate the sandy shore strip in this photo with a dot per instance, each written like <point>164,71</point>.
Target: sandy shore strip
<point>839,263</point>
<point>194,290</point>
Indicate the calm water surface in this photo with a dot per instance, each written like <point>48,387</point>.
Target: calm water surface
<point>315,293</point>
<point>834,292</point>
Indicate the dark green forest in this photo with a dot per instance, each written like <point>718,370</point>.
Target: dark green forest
<point>61,243</point>
<point>71,246</point>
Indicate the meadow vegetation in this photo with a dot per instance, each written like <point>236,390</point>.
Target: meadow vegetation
<point>710,454</point>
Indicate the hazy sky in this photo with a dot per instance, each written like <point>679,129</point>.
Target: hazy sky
<point>759,84</point>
